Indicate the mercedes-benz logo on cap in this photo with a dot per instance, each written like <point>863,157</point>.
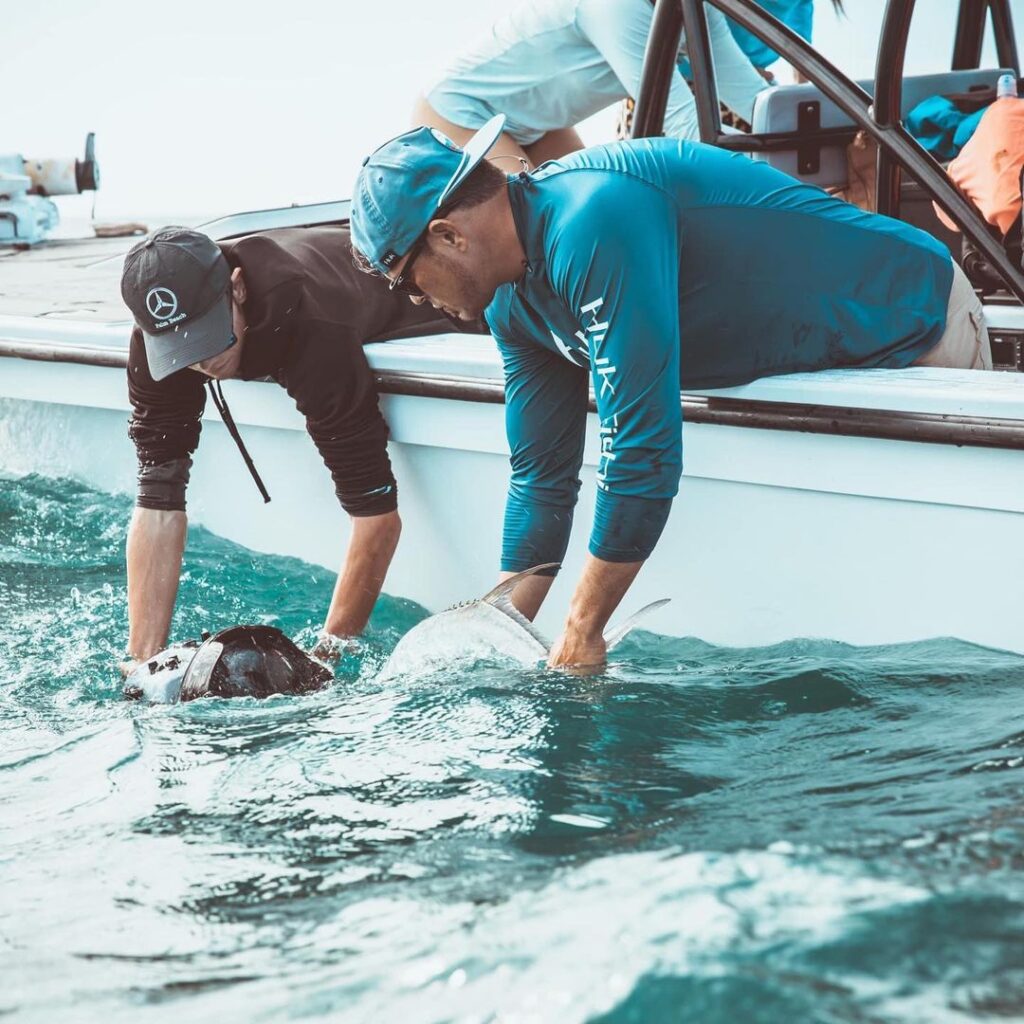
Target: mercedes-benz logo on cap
<point>162,303</point>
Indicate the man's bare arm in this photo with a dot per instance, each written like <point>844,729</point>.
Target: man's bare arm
<point>370,550</point>
<point>598,593</point>
<point>156,542</point>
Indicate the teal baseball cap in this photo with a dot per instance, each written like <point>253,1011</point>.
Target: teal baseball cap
<point>403,184</point>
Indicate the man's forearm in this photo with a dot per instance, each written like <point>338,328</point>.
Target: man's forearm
<point>370,550</point>
<point>156,542</point>
<point>597,595</point>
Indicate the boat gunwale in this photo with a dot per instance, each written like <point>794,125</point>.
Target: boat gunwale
<point>759,414</point>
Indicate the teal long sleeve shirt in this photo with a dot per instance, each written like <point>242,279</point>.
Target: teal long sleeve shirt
<point>797,14</point>
<point>660,264</point>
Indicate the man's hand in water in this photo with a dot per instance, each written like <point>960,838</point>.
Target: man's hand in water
<point>578,653</point>
<point>581,647</point>
<point>330,648</point>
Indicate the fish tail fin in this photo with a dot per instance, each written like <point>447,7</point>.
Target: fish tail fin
<point>613,637</point>
<point>500,598</point>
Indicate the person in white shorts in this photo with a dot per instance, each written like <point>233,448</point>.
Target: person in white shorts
<point>549,64</point>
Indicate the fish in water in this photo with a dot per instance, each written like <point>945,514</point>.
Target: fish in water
<point>243,661</point>
<point>491,627</point>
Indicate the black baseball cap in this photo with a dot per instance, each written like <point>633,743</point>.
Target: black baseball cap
<point>176,284</point>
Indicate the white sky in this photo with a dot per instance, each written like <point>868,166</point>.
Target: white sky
<point>204,107</point>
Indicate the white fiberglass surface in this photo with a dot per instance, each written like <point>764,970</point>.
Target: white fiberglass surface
<point>916,389</point>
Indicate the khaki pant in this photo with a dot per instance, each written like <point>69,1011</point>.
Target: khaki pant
<point>964,344</point>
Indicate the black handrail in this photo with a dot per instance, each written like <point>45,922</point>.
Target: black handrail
<point>887,107</point>
<point>659,66</point>
<point>702,66</point>
<point>889,64</point>
<point>758,414</point>
<point>906,152</point>
<point>662,51</point>
<point>970,32</point>
<point>1006,41</point>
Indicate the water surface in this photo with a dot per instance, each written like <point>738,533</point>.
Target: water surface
<point>805,832</point>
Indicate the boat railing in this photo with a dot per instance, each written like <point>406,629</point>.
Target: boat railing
<point>879,118</point>
<point>810,418</point>
<point>970,34</point>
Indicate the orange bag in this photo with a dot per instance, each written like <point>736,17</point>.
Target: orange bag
<point>988,169</point>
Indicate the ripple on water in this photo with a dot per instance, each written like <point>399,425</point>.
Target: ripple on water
<point>808,831</point>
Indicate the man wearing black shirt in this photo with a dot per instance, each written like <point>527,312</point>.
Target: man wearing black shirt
<point>285,304</point>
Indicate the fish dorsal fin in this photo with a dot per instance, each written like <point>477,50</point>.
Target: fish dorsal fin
<point>500,598</point>
<point>613,637</point>
<point>504,588</point>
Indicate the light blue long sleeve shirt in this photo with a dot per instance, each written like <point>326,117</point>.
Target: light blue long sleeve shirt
<point>660,264</point>
<point>549,64</point>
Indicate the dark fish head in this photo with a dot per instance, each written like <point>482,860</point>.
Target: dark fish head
<point>251,661</point>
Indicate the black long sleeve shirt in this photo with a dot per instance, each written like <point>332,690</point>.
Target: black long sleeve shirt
<point>308,313</point>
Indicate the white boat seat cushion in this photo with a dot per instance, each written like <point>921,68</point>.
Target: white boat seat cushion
<point>775,110</point>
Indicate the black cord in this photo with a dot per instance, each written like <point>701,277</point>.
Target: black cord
<point>229,421</point>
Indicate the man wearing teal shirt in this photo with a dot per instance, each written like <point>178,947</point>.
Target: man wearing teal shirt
<point>641,268</point>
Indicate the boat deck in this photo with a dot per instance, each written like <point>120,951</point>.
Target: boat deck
<point>67,279</point>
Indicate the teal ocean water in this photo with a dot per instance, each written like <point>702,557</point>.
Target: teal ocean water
<point>806,832</point>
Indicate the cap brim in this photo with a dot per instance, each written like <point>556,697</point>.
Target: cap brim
<point>473,152</point>
<point>190,342</point>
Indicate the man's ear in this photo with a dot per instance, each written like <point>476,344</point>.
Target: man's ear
<point>446,233</point>
<point>238,292</point>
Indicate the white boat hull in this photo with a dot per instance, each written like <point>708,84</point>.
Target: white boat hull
<point>775,534</point>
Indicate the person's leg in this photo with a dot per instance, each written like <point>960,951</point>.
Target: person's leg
<point>553,145</point>
<point>505,149</point>
<point>964,343</point>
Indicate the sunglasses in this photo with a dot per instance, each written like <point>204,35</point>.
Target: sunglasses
<point>403,282</point>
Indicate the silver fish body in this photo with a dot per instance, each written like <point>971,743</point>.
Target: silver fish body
<point>491,629</point>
